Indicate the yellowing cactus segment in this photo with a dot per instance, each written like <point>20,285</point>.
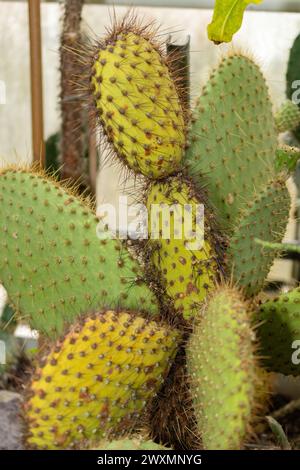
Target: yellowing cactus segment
<point>96,382</point>
<point>138,104</point>
<point>187,265</point>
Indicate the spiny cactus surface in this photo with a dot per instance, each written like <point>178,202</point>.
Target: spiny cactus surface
<point>279,333</point>
<point>265,218</point>
<point>182,243</point>
<point>223,372</point>
<point>287,117</point>
<point>138,104</point>
<point>287,158</point>
<point>96,381</point>
<point>233,139</point>
<point>53,264</point>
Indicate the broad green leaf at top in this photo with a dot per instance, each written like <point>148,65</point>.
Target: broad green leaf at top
<point>227,19</point>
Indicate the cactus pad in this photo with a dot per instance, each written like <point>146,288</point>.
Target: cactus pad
<point>233,139</point>
<point>188,266</point>
<point>265,218</point>
<point>223,372</point>
<point>279,328</point>
<point>138,104</point>
<point>96,382</point>
<point>287,158</point>
<point>287,117</point>
<point>53,265</point>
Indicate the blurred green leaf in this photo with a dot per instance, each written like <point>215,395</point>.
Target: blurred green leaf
<point>227,19</point>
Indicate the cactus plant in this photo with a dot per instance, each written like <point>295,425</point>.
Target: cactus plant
<point>279,332</point>
<point>223,371</point>
<point>287,117</point>
<point>97,380</point>
<point>292,77</point>
<point>184,252</point>
<point>233,139</point>
<point>54,266</point>
<point>137,101</point>
<point>287,158</point>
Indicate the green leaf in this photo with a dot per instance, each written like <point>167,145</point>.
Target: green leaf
<point>227,19</point>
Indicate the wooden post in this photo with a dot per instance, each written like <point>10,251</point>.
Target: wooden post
<point>37,120</point>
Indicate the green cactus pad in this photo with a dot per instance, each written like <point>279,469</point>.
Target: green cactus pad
<point>265,218</point>
<point>130,444</point>
<point>187,266</point>
<point>223,371</point>
<point>137,103</point>
<point>53,265</point>
<point>96,382</point>
<point>287,117</point>
<point>279,333</point>
<point>233,139</point>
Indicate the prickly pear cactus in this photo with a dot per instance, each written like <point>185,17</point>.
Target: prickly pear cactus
<point>279,333</point>
<point>233,138</point>
<point>136,443</point>
<point>96,382</point>
<point>137,102</point>
<point>292,76</point>
<point>223,371</point>
<point>53,264</point>
<point>287,117</point>
<point>265,218</point>
<point>182,242</point>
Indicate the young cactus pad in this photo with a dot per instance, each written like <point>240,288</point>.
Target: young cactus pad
<point>287,117</point>
<point>182,242</point>
<point>53,264</point>
<point>223,372</point>
<point>138,104</point>
<point>266,219</point>
<point>96,382</point>
<point>233,139</point>
<point>279,333</point>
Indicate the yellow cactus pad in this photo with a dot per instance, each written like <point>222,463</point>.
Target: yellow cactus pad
<point>186,261</point>
<point>96,382</point>
<point>138,104</point>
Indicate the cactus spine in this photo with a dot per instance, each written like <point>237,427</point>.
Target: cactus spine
<point>97,380</point>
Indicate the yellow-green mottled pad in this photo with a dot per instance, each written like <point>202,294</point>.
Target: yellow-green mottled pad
<point>96,382</point>
<point>187,266</point>
<point>233,139</point>
<point>265,218</point>
<point>222,369</point>
<point>53,264</point>
<point>138,105</point>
